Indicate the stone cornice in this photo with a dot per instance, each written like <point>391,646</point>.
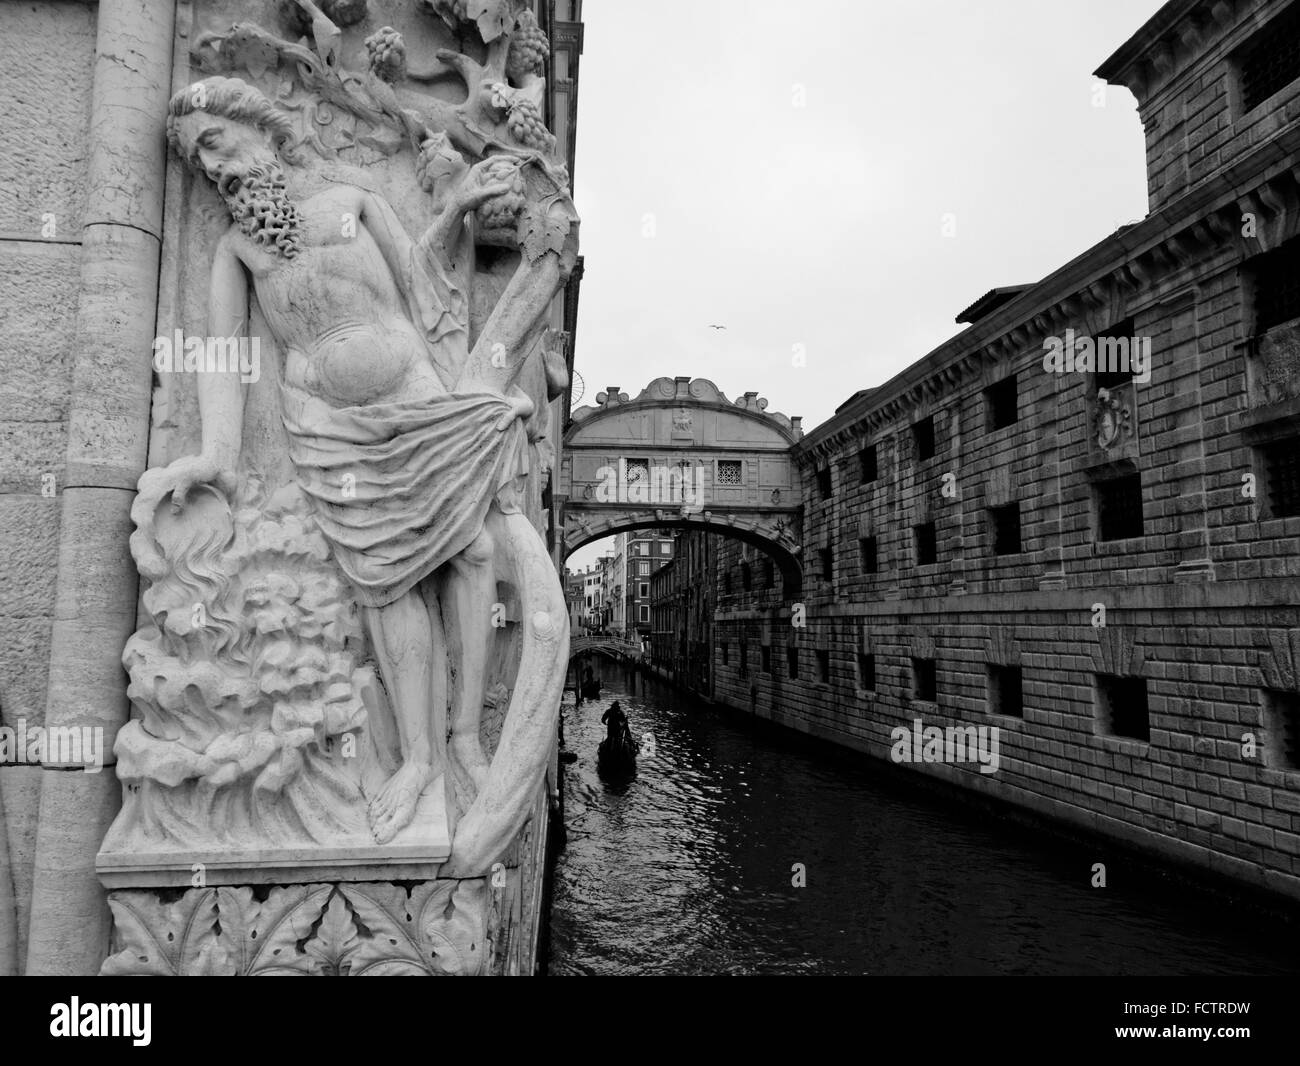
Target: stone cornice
<point>1172,39</point>
<point>1096,287</point>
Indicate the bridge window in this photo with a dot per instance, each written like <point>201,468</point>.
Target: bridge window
<point>765,653</point>
<point>769,574</point>
<point>867,672</point>
<point>823,666</point>
<point>1281,464</point>
<point>1005,525</point>
<point>792,661</point>
<point>868,552</point>
<point>1276,277</point>
<point>726,582</point>
<point>1119,507</point>
<point>923,438</point>
<point>925,681</point>
<point>726,654</point>
<point>744,659</point>
<point>728,471</point>
<point>1122,703</point>
<point>746,579</point>
<point>1283,724</point>
<point>1271,60</point>
<point>927,544</point>
<point>867,464</point>
<point>826,558</point>
<point>824,485</point>
<point>1001,403</point>
<point>1006,691</point>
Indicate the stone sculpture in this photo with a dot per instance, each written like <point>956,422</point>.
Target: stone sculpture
<point>264,724</point>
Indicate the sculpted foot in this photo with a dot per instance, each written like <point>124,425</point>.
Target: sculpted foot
<point>392,810</point>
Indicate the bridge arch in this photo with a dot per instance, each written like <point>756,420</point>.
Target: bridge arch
<point>682,455</point>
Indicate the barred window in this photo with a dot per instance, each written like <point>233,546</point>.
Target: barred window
<point>1001,402</point>
<point>765,654</point>
<point>824,486</point>
<point>1119,507</point>
<point>1271,61</point>
<point>867,464</point>
<point>923,437</point>
<point>638,470</point>
<point>1284,729</point>
<point>792,661</point>
<point>1276,275</point>
<point>867,672</point>
<point>927,544</point>
<point>1006,691</point>
<point>1122,702</point>
<point>925,681</point>
<point>869,553</point>
<point>1005,522</point>
<point>1282,476</point>
<point>827,562</point>
<point>823,666</point>
<point>728,471</point>
<point>1108,353</point>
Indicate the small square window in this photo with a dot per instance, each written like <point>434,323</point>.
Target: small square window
<point>867,672</point>
<point>1001,403</point>
<point>823,666</point>
<point>927,544</point>
<point>925,682</point>
<point>824,485</point>
<point>792,661</point>
<point>1281,462</point>
<point>923,438</point>
<point>1006,691</point>
<point>826,561</point>
<point>1005,523</point>
<point>868,553</point>
<point>728,471</point>
<point>1122,704</point>
<point>867,464</point>
<point>1282,721</point>
<point>1119,507</point>
<point>765,653</point>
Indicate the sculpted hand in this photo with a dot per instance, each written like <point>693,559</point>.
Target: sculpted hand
<point>180,477</point>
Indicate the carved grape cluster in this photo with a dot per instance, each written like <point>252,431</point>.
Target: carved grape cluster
<point>502,212</point>
<point>529,48</point>
<point>387,53</point>
<point>523,120</point>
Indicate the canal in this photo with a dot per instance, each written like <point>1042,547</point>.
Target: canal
<point>689,868</point>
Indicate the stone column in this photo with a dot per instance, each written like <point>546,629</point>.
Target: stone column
<point>108,432</point>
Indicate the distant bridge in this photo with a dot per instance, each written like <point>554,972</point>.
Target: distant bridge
<point>612,646</point>
<point>683,455</point>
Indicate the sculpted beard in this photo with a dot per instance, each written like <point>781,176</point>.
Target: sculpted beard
<point>261,208</point>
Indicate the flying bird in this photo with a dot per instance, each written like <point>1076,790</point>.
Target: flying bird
<point>712,326</point>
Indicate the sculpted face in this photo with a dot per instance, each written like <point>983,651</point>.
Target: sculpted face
<point>224,149</point>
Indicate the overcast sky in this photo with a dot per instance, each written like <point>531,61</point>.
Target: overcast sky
<point>787,170</point>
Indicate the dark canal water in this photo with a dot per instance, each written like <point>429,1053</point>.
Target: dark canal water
<point>688,870</point>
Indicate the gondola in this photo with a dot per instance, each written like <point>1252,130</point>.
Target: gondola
<point>591,689</point>
<point>617,757</point>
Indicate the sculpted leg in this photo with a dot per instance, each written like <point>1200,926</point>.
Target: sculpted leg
<point>471,593</point>
<point>403,641</point>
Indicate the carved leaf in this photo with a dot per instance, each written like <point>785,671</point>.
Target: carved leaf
<point>176,939</point>
<point>433,931</point>
<point>335,939</point>
<point>494,17</point>
<point>540,232</point>
<point>263,938</point>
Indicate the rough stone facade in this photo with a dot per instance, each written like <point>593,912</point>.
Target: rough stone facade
<point>1103,567</point>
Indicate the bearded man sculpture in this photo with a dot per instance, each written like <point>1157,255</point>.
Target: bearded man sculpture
<point>407,462</point>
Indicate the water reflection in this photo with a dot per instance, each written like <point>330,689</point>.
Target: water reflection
<point>688,868</point>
